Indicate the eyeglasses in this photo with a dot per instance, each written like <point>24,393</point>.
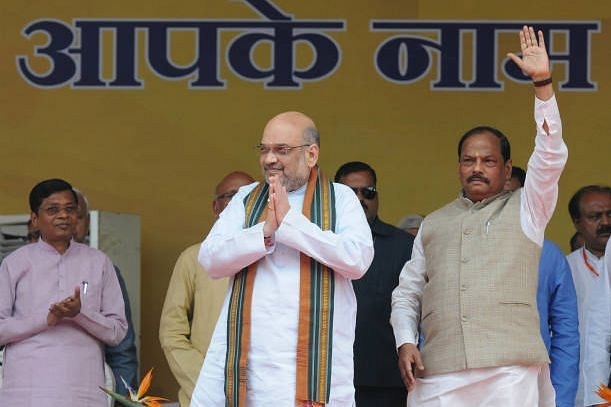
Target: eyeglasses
<point>55,209</point>
<point>367,192</point>
<point>277,149</point>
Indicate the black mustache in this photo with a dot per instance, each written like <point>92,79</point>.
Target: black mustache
<point>604,230</point>
<point>479,178</point>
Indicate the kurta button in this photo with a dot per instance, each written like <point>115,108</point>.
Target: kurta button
<point>467,231</point>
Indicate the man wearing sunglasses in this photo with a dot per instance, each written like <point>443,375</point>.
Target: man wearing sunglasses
<point>377,379</point>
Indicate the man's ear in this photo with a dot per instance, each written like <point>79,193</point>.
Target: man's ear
<point>508,168</point>
<point>215,208</point>
<point>312,155</point>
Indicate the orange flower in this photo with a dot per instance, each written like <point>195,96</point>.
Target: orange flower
<point>137,399</point>
<point>604,393</point>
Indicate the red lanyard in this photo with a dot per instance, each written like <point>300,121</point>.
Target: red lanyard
<point>587,262</point>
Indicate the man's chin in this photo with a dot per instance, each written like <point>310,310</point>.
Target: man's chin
<point>54,237</point>
<point>276,177</point>
<point>477,189</point>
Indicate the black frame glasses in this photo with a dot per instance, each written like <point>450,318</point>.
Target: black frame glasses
<point>367,192</point>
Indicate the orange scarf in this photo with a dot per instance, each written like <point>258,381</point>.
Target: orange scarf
<point>314,341</point>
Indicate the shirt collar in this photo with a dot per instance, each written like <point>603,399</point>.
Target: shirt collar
<point>483,202</point>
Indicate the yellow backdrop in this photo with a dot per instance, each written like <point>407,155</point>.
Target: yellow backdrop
<point>140,139</point>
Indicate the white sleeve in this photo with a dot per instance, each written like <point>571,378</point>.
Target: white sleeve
<point>348,250</point>
<point>540,192</point>
<point>406,298</point>
<point>219,254</point>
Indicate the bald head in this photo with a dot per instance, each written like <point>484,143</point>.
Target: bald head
<point>289,149</point>
<point>294,122</point>
<point>227,188</point>
<point>81,227</point>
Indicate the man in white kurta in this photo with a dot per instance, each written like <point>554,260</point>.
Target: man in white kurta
<point>597,337</point>
<point>472,355</point>
<point>586,283</point>
<point>287,156</point>
<point>590,209</point>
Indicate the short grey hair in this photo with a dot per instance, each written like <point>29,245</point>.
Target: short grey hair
<point>311,136</point>
<point>80,194</point>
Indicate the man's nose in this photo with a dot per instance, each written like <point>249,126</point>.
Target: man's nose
<point>478,165</point>
<point>64,212</point>
<point>270,157</point>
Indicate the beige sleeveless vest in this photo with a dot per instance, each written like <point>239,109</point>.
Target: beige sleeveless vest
<point>479,306</point>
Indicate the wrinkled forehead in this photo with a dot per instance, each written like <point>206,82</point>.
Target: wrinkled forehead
<point>481,143</point>
<point>598,200</point>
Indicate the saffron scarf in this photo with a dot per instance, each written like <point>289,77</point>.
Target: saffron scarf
<point>314,342</point>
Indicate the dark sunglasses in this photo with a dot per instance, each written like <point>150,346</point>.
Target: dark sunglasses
<point>366,192</point>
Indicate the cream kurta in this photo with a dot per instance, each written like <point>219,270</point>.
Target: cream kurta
<point>192,305</point>
<point>271,364</point>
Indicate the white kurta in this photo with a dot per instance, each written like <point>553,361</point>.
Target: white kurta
<point>538,200</point>
<point>275,313</point>
<point>594,308</point>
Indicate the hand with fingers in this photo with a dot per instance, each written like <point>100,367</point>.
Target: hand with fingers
<point>281,201</point>
<point>409,360</point>
<point>67,308</point>
<point>271,222</point>
<point>534,61</point>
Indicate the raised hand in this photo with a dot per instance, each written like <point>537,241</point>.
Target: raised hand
<point>534,61</point>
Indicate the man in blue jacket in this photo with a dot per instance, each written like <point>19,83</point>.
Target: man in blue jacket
<point>557,303</point>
